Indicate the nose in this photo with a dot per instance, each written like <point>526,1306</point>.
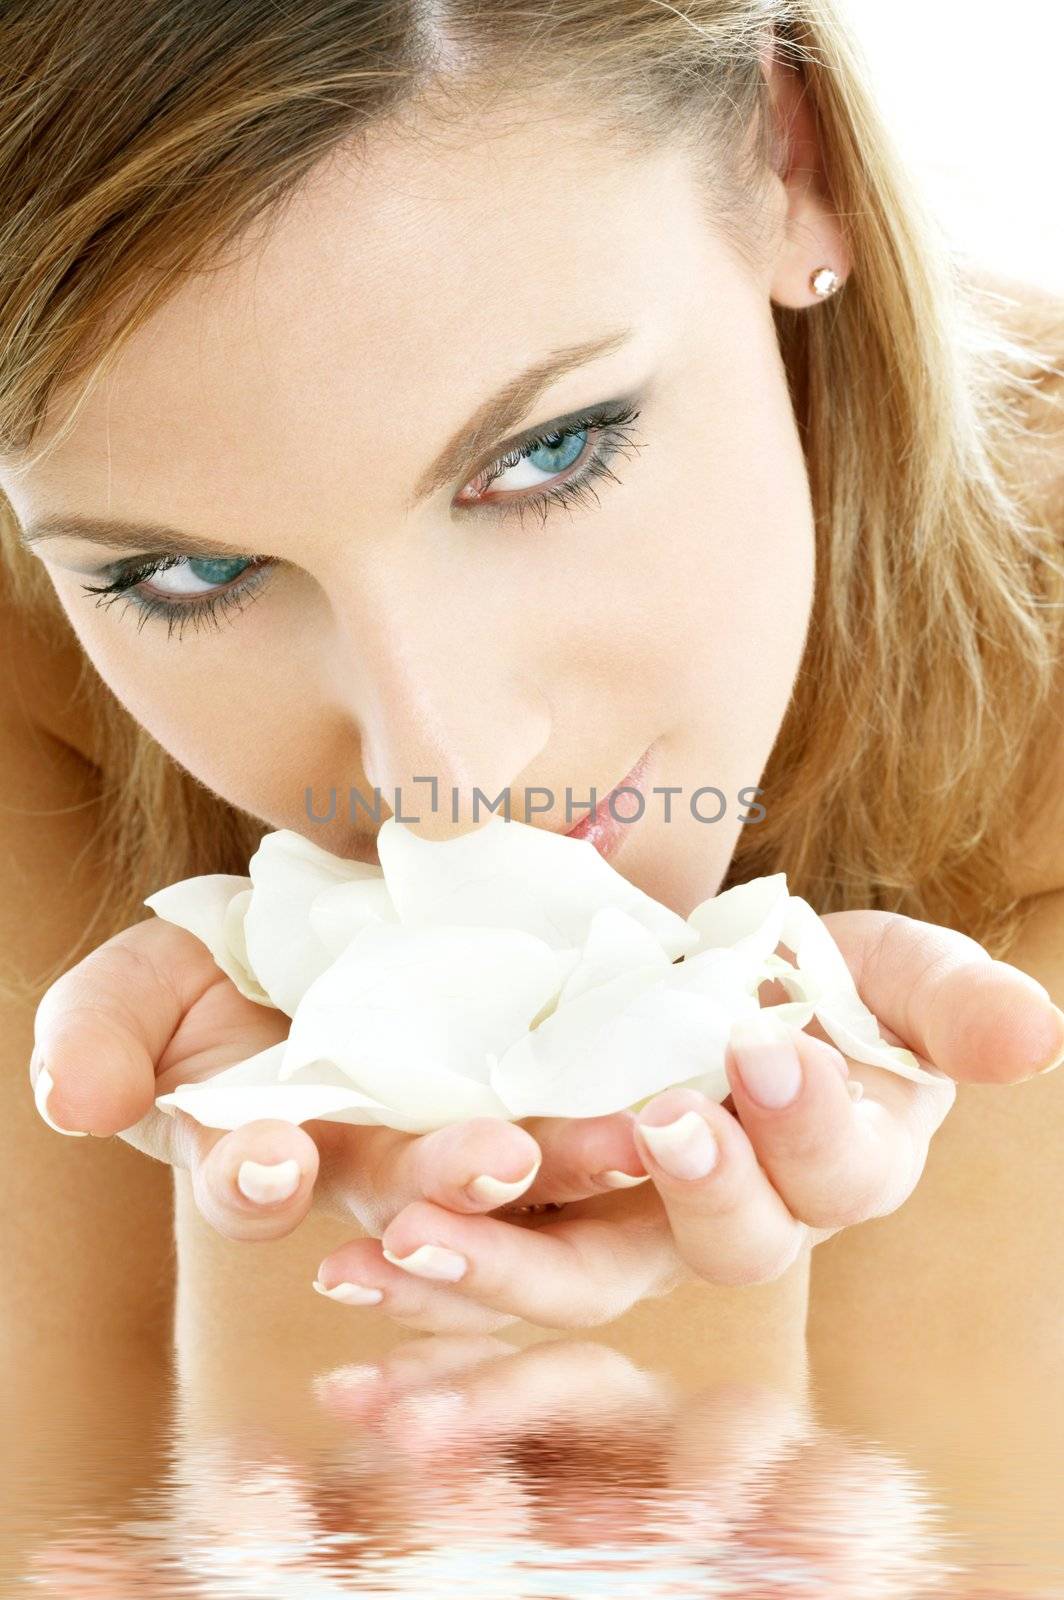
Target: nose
<point>449,716</point>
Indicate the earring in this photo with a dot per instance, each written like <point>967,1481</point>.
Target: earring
<point>824,281</point>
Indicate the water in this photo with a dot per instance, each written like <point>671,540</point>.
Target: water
<point>463,1467</point>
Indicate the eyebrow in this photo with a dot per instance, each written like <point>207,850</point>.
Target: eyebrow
<point>501,412</point>
<point>509,406</point>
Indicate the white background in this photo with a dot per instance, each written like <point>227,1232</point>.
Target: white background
<point>973,92</point>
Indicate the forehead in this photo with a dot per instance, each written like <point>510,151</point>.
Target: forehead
<point>406,278</point>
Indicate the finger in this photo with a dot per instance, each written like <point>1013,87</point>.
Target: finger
<point>728,1223</point>
<point>832,1160</point>
<point>254,1183</point>
<point>941,994</point>
<point>472,1166</point>
<point>102,1027</point>
<point>358,1275</point>
<point>577,1272</point>
<point>583,1156</point>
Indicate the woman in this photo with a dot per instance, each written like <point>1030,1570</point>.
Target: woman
<point>288,318</point>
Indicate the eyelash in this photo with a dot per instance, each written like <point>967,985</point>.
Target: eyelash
<point>178,614</point>
<point>612,424</point>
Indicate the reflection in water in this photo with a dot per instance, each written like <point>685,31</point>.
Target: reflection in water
<point>461,1467</point>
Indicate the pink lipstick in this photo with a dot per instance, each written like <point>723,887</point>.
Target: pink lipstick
<point>600,827</point>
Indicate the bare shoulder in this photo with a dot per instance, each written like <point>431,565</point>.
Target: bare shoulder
<point>99,1222</point>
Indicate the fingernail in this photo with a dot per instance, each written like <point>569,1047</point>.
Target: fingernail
<point>684,1148</point>
<point>268,1183</point>
<point>1058,1061</point>
<point>496,1193</point>
<point>350,1294</point>
<point>767,1062</point>
<point>431,1261</point>
<point>614,1179</point>
<point>41,1090</point>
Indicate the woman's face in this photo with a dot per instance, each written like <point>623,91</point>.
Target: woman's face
<point>379,580</point>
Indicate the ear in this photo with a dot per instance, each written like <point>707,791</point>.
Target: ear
<point>811,236</point>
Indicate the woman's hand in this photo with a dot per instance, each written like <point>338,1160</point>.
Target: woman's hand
<point>149,1009</point>
<point>736,1194</point>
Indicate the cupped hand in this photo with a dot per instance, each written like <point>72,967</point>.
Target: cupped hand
<point>735,1191</point>
<point>150,1009</point>
<point>739,1189</point>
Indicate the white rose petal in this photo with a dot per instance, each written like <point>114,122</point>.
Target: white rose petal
<point>506,972</point>
<point>414,1017</point>
<point>250,1090</point>
<point>759,915</point>
<point>338,913</point>
<point>213,908</point>
<point>233,939</point>
<point>830,988</point>
<point>750,916</point>
<point>511,875</point>
<point>618,1044</point>
<point>615,943</point>
<point>288,873</point>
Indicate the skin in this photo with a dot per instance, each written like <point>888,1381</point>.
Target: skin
<point>281,406</point>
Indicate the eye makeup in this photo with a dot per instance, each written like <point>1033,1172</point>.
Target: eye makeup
<point>586,442</point>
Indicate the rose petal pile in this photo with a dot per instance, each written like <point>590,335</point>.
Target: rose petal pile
<point>505,972</point>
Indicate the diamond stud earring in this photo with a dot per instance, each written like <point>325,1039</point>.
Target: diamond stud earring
<point>824,281</point>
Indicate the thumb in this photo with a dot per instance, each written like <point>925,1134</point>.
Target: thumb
<point>101,1029</point>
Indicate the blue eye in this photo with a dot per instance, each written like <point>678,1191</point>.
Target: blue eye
<point>184,589</point>
<point>558,451</point>
<point>193,575</point>
<point>196,590</point>
<point>536,463</point>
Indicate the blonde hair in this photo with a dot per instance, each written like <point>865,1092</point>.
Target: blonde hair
<point>136,148</point>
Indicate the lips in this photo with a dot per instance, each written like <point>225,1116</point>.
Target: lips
<point>600,827</point>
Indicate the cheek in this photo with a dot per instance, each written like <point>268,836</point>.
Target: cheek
<point>702,594</point>
<point>751,555</point>
<point>748,531</point>
<point>717,596</point>
<point>218,708</point>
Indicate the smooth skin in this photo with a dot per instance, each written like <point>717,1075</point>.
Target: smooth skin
<point>292,404</point>
<point>149,1009</point>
